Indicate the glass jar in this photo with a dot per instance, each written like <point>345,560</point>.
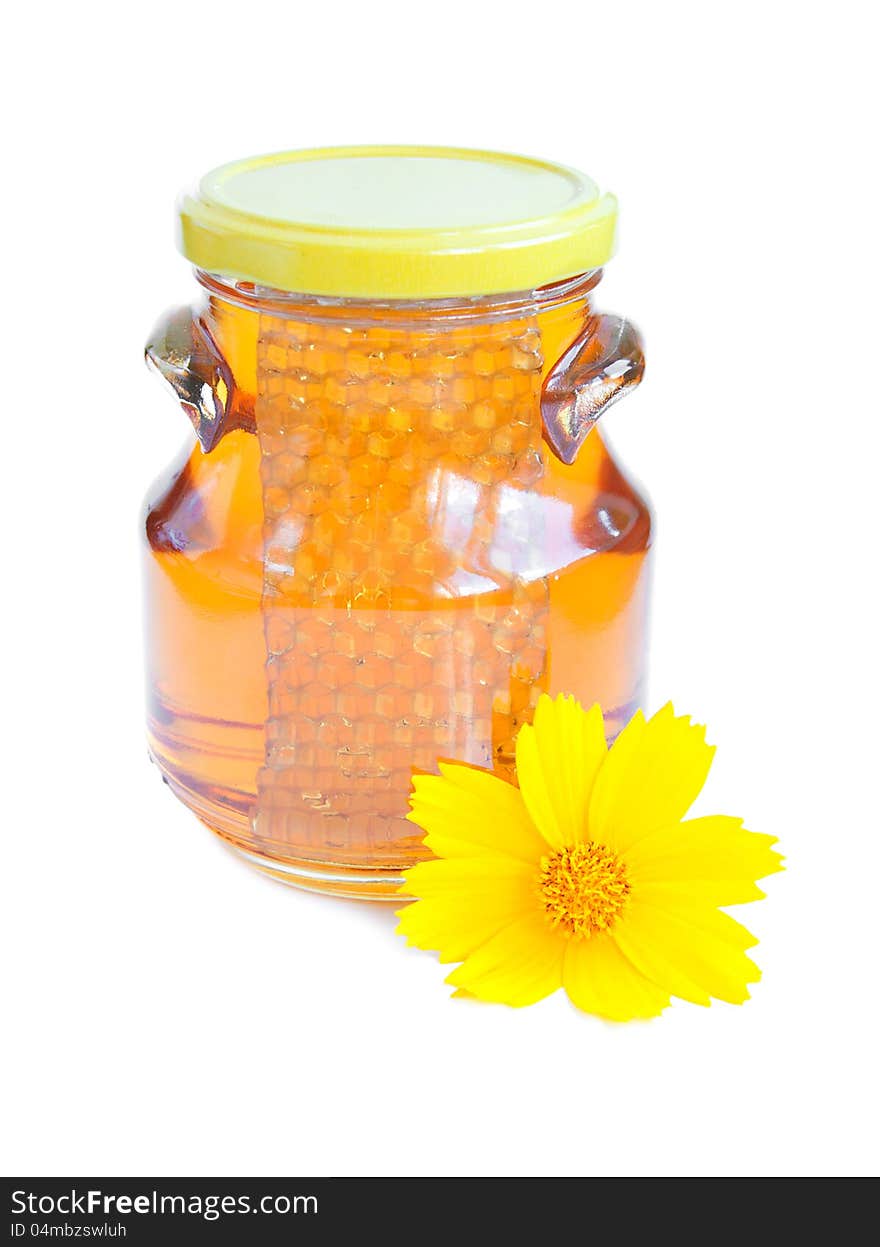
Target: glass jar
<point>395,526</point>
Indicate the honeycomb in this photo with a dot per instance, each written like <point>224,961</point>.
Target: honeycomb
<point>404,619</point>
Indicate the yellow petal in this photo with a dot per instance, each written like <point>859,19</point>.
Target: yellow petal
<point>716,858</point>
<point>650,778</point>
<point>679,901</point>
<point>476,877</point>
<point>557,760</point>
<point>467,813</point>
<point>466,900</point>
<point>690,958</point>
<point>599,979</point>
<point>443,927</point>
<point>519,965</point>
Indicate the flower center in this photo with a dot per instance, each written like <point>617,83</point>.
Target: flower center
<point>583,889</point>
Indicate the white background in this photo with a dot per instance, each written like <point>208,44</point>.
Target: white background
<point>166,1010</point>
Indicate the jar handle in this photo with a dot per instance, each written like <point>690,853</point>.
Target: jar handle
<point>182,352</point>
<point>602,365</point>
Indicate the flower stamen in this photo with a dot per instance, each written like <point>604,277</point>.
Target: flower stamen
<point>583,888</point>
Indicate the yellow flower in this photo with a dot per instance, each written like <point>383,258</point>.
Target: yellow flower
<point>585,876</point>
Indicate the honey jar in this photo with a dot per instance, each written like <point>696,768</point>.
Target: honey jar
<point>394,524</point>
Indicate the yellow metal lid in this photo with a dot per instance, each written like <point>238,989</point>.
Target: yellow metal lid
<point>397,222</point>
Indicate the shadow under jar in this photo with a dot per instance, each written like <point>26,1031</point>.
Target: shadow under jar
<point>395,527</point>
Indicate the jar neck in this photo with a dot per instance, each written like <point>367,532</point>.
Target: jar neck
<point>571,292</point>
<point>248,321</point>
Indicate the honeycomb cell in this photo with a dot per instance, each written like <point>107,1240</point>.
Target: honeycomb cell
<point>404,530</point>
<point>374,672</point>
<point>398,363</point>
<point>345,443</point>
<point>402,471</point>
<point>298,674</point>
<point>392,498</point>
<point>328,528</point>
<point>354,701</point>
<point>312,636</point>
<point>287,469</point>
<point>403,416</point>
<point>425,390</point>
<point>352,559</point>
<point>380,391</point>
<point>483,362</point>
<point>339,388</point>
<point>443,419</point>
<point>309,563</point>
<point>326,470</point>
<point>316,700</point>
<point>349,498</point>
<point>367,471</point>
<point>308,499</point>
<point>335,669</point>
<point>386,443</point>
<point>463,389</point>
<point>359,363</point>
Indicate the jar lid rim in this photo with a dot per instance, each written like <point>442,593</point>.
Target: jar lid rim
<point>397,222</point>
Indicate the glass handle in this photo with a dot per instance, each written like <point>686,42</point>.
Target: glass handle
<point>183,353</point>
<point>605,362</point>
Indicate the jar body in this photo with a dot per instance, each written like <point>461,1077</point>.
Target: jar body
<point>378,566</point>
